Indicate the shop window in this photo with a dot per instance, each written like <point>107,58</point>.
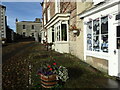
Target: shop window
<point>97,35</point>
<point>118,37</point>
<point>89,36</point>
<point>64,32</point>
<point>96,29</point>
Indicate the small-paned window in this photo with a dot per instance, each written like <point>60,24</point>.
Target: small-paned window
<point>97,35</point>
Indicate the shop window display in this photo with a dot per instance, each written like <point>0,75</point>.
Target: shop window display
<point>89,36</point>
<point>97,35</point>
<point>118,37</point>
<point>96,30</point>
<point>104,34</point>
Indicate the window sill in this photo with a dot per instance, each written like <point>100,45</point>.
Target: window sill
<point>101,55</point>
<point>61,42</point>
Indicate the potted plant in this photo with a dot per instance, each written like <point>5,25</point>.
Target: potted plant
<point>52,75</point>
<point>74,29</point>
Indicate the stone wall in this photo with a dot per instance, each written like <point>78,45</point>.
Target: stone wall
<point>100,64</point>
<point>77,42</point>
<point>52,9</point>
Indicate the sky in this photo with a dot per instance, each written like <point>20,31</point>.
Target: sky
<point>23,11</point>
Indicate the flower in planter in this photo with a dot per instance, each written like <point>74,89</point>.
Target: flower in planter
<point>73,27</point>
<point>60,71</point>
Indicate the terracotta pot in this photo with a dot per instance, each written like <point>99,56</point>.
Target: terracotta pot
<point>48,81</point>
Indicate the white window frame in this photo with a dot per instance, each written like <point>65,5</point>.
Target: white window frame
<point>92,53</point>
<point>97,1</point>
<point>57,28</point>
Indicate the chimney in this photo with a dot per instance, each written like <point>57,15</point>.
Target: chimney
<point>37,19</point>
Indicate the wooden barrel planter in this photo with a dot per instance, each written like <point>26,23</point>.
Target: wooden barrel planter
<point>48,81</point>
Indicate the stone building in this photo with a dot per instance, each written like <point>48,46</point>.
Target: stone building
<point>29,28</point>
<point>65,24</point>
<point>2,22</point>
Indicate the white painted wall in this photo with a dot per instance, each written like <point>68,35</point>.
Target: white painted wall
<point>62,47</point>
<point>49,35</point>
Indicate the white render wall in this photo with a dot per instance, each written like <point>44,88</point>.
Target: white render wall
<point>49,34</point>
<point>62,47</point>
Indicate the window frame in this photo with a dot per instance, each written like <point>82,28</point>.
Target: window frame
<point>99,35</point>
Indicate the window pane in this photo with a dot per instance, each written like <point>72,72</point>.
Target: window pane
<point>118,31</point>
<point>53,35</point>
<point>32,34</point>
<point>59,32</point>
<point>118,16</point>
<point>23,33</point>
<point>104,34</point>
<point>118,43</point>
<point>64,32</point>
<point>32,26</point>
<point>23,26</point>
<point>96,29</point>
<point>96,43</point>
<point>104,25</point>
<point>104,43</point>
<point>89,36</point>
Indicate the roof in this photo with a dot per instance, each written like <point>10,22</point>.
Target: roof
<point>29,22</point>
